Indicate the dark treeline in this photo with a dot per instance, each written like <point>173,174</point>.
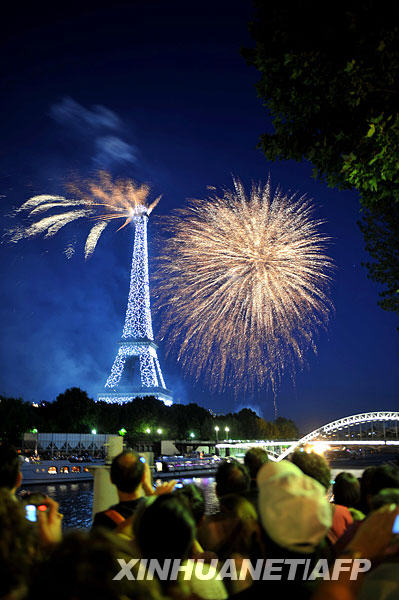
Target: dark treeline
<point>74,412</point>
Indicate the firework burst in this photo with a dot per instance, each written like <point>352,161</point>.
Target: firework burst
<point>119,199</point>
<point>243,283</point>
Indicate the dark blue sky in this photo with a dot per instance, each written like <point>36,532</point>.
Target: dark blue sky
<point>156,91</point>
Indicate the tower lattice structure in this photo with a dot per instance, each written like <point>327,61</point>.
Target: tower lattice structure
<point>137,348</point>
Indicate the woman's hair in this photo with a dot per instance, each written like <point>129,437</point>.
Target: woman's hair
<point>365,484</point>
<point>242,527</point>
<point>165,528</point>
<point>254,459</point>
<point>195,500</point>
<point>386,496</point>
<point>346,490</point>
<point>314,465</point>
<point>238,506</point>
<point>231,478</point>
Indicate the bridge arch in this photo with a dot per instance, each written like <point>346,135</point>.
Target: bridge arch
<point>344,422</point>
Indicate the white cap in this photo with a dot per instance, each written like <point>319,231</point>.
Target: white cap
<point>293,507</point>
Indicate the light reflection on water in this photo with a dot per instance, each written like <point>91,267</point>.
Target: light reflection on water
<point>76,499</point>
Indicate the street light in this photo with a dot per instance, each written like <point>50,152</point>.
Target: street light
<point>93,431</point>
<point>159,431</point>
<point>217,433</point>
<point>34,430</point>
<point>122,431</point>
<point>148,430</point>
<point>192,435</point>
<point>227,429</point>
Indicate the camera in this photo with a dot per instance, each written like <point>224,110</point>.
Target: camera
<point>34,503</point>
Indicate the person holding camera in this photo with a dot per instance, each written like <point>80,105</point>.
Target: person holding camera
<point>131,475</point>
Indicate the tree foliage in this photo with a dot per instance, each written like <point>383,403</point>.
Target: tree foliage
<point>74,412</point>
<point>16,417</point>
<point>380,227</point>
<point>331,86</point>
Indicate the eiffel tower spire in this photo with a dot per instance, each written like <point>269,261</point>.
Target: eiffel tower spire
<point>136,370</point>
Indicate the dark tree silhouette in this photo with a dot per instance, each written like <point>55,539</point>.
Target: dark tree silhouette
<point>331,86</point>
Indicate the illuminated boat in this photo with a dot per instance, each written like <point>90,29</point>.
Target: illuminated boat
<point>56,471</point>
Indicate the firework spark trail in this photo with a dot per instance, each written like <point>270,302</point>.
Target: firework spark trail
<point>93,237</point>
<point>119,199</point>
<point>243,284</point>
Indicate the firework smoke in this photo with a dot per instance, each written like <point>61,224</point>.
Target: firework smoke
<point>119,199</point>
<point>243,284</point>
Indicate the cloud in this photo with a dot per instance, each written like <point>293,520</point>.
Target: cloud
<point>98,126</point>
<point>112,149</point>
<point>252,406</point>
<point>69,112</point>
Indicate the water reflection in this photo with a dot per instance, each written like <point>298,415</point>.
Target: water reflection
<point>76,499</point>
<point>207,484</point>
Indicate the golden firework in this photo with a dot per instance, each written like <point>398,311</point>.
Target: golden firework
<point>243,284</point>
<point>122,198</point>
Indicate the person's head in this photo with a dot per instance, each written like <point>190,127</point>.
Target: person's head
<point>238,506</point>
<point>231,478</point>
<point>375,479</point>
<point>90,561</point>
<point>254,459</point>
<point>10,472</point>
<point>293,507</point>
<point>346,490</point>
<point>365,482</point>
<point>385,496</point>
<point>127,472</point>
<point>195,500</point>
<point>314,465</point>
<point>242,531</point>
<point>165,528</point>
<point>384,476</point>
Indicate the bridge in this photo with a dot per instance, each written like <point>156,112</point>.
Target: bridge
<point>371,430</point>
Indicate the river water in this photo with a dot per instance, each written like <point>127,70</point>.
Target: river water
<point>76,499</point>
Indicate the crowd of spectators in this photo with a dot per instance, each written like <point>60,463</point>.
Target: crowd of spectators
<point>268,511</point>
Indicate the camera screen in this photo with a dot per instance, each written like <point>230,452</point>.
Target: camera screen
<point>30,513</point>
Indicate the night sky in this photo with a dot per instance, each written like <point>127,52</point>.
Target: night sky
<point>156,91</point>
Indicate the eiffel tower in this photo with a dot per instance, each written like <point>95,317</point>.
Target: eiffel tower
<point>136,371</point>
